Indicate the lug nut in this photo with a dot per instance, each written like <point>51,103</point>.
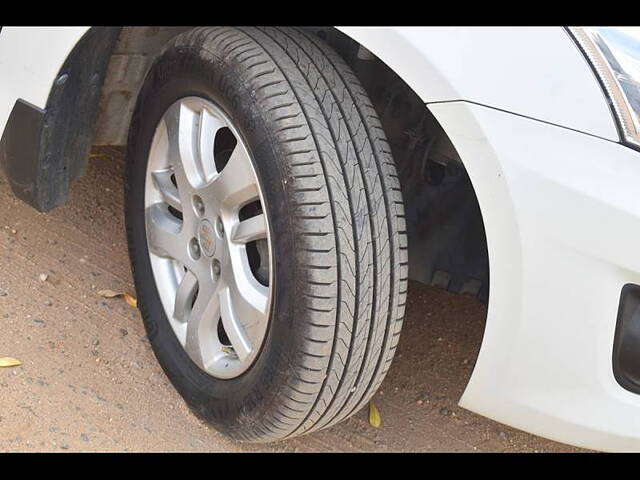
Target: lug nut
<point>198,205</point>
<point>220,227</point>
<point>215,269</point>
<point>194,249</point>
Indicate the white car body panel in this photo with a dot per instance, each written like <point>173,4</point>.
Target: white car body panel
<point>558,195</point>
<point>561,212</point>
<point>533,71</point>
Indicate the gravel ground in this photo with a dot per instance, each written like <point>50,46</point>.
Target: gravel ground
<point>89,380</point>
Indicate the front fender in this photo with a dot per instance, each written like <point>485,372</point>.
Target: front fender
<point>537,72</point>
<point>561,213</point>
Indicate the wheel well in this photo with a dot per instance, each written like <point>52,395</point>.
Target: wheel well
<point>447,242</point>
<point>133,54</point>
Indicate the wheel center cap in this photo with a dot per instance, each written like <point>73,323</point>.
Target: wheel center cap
<point>207,238</point>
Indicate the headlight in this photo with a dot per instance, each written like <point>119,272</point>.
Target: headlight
<point>614,54</point>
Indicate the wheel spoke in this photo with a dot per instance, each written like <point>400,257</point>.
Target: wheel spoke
<point>184,296</point>
<point>202,327</point>
<point>249,301</point>
<point>181,123</point>
<point>249,230</point>
<point>169,191</point>
<point>232,326</point>
<point>236,184</point>
<point>209,126</point>
<point>163,232</point>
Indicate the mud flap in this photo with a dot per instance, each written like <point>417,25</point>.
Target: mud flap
<point>42,151</point>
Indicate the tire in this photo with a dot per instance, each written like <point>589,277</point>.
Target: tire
<point>336,219</point>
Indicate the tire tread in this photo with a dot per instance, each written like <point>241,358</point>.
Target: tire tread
<point>348,217</point>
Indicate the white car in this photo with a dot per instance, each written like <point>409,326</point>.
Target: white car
<point>283,184</point>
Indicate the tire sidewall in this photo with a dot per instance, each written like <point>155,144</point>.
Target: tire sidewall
<point>231,405</point>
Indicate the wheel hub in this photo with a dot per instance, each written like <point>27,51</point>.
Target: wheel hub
<point>199,235</point>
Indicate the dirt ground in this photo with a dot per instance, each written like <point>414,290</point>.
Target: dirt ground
<point>89,380</point>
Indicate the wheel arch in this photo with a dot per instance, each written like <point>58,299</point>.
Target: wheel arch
<point>441,97</point>
<point>52,126</point>
<point>43,149</point>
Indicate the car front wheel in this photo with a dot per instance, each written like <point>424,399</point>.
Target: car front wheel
<point>266,230</point>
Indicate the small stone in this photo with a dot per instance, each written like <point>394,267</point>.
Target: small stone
<point>124,332</point>
<point>43,277</point>
<point>3,293</point>
<point>423,398</point>
<point>419,402</point>
<point>48,303</point>
<point>96,342</point>
<point>445,412</point>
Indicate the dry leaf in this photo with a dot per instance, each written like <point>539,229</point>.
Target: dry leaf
<point>374,416</point>
<point>109,293</point>
<point>9,362</point>
<point>132,301</point>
